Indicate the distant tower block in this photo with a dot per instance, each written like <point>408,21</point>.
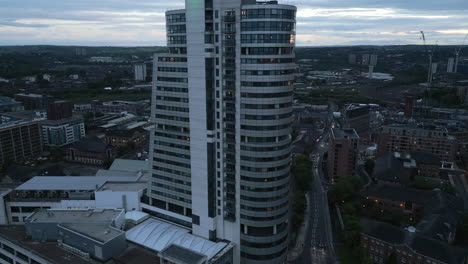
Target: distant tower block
<point>450,64</point>
<point>373,60</point>
<point>365,59</point>
<point>140,72</point>
<point>371,71</point>
<point>434,68</point>
<point>409,106</point>
<point>352,58</point>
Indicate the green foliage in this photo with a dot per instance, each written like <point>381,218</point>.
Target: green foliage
<point>415,74</point>
<point>424,184</point>
<point>56,154</point>
<point>107,163</point>
<point>303,174</point>
<point>122,150</point>
<point>448,188</point>
<point>75,174</point>
<point>369,166</point>
<point>461,237</point>
<point>345,188</point>
<point>392,259</point>
<point>299,209</point>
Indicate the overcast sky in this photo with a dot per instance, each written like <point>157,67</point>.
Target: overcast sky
<point>319,22</point>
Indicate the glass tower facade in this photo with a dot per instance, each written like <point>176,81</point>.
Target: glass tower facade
<point>222,108</point>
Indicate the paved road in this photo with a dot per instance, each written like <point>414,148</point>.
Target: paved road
<point>318,244</point>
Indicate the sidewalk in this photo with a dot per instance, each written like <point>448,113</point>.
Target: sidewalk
<point>295,252</point>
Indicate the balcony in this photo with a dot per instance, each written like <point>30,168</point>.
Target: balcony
<point>229,42</point>
<point>229,65</point>
<point>228,77</point>
<point>229,30</point>
<point>229,18</point>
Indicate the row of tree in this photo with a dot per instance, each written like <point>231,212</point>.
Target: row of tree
<point>303,177</point>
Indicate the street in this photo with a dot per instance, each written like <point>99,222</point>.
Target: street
<point>318,243</point>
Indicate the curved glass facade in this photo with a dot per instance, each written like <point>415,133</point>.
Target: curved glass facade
<point>266,116</point>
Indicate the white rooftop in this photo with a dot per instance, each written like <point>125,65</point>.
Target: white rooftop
<point>129,165</point>
<point>78,183</point>
<point>157,235</point>
<point>135,215</point>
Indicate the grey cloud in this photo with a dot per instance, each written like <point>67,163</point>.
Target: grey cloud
<point>16,24</point>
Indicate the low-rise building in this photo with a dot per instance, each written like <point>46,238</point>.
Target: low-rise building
<point>90,150</point>
<point>32,101</point>
<point>122,137</point>
<point>8,104</point>
<point>132,107</point>
<point>58,133</point>
<point>420,138</point>
<point>95,233</point>
<point>380,240</point>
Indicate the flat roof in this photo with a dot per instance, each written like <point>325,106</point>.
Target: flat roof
<point>99,232</point>
<point>135,125</point>
<point>75,216</point>
<point>16,234</point>
<point>181,255</point>
<point>123,186</point>
<point>344,133</point>
<point>130,165</point>
<point>158,235</point>
<point>78,183</point>
<point>135,254</point>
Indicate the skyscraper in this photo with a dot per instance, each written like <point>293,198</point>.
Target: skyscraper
<point>222,105</point>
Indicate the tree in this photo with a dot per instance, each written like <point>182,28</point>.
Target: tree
<point>340,191</point>
<point>392,259</point>
<point>107,163</point>
<point>56,154</point>
<point>369,166</point>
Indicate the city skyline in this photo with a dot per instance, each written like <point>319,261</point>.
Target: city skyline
<point>320,23</point>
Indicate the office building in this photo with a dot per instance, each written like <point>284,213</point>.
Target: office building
<point>222,105</point>
<point>32,101</point>
<point>7,104</point>
<point>357,116</point>
<point>57,133</point>
<point>59,110</point>
<point>419,138</point>
<point>19,141</point>
<point>140,72</point>
<point>343,152</point>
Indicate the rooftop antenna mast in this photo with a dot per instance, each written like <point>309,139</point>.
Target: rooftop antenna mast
<point>457,53</point>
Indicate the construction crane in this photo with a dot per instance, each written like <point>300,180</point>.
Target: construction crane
<point>457,53</point>
<point>429,54</point>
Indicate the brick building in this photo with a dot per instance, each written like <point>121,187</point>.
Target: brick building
<point>121,137</point>
<point>420,138</point>
<point>343,152</point>
<point>32,101</point>
<point>357,116</point>
<point>59,110</point>
<point>90,150</point>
